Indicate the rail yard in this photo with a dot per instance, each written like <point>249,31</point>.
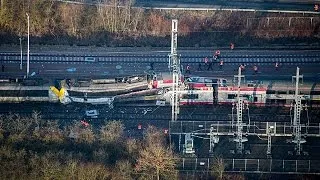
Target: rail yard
<point>208,106</point>
<point>256,109</point>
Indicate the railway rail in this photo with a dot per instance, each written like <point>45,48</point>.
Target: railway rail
<point>149,114</point>
<point>310,57</point>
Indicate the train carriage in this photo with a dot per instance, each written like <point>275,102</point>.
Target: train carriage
<point>203,90</point>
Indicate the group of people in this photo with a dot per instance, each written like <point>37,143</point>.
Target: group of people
<point>208,65</point>
<point>255,67</point>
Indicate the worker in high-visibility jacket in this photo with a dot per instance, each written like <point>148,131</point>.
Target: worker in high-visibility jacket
<point>216,55</point>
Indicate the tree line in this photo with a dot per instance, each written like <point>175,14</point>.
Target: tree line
<point>34,148</point>
<point>118,23</point>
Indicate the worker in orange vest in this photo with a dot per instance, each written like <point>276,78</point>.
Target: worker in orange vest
<point>217,55</point>
<point>221,64</point>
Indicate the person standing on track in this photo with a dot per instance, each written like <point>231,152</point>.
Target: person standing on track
<point>242,67</point>
<point>199,67</point>
<point>188,69</point>
<point>255,69</point>
<point>231,46</point>
<point>210,66</point>
<point>221,64</point>
<point>276,66</point>
<point>206,62</point>
<point>217,55</point>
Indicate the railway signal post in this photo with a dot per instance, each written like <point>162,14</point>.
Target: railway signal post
<point>239,139</point>
<point>176,73</point>
<point>28,51</point>
<point>296,118</point>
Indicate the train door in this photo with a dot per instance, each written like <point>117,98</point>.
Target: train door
<point>215,93</point>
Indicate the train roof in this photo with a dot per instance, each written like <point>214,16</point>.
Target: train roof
<point>283,85</point>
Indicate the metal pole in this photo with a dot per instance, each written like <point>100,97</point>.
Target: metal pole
<point>175,71</point>
<point>20,53</point>
<point>239,139</point>
<point>28,51</point>
<point>296,118</point>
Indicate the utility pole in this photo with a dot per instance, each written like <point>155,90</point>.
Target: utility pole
<point>270,130</point>
<point>239,139</point>
<point>296,118</point>
<point>213,139</point>
<point>176,73</point>
<point>28,51</point>
<point>20,53</point>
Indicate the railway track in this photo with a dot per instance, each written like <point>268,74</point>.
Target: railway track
<point>310,57</point>
<point>149,114</point>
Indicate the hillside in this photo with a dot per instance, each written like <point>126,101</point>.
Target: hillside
<point>120,24</point>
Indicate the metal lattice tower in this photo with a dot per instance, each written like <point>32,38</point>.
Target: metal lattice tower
<point>239,139</point>
<point>296,118</point>
<point>175,64</point>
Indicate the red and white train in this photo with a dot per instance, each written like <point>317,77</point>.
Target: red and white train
<point>208,90</point>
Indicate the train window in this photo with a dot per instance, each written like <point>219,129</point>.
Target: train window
<point>281,92</point>
<point>271,92</point>
<point>303,92</point>
<point>190,96</point>
<point>315,93</point>
<point>231,96</point>
<point>208,80</point>
<point>315,102</point>
<point>291,92</point>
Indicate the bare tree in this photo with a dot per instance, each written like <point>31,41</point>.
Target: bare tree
<point>123,170</point>
<point>218,167</point>
<point>82,134</point>
<point>111,132</point>
<point>1,127</point>
<point>17,126</point>
<point>156,159</point>
<point>49,131</point>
